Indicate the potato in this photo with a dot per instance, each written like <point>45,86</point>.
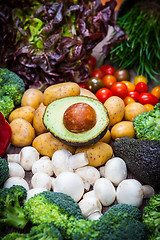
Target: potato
<point>107,137</point>
<point>115,106</point>
<point>46,144</point>
<point>22,133</point>
<point>132,110</point>
<point>38,120</point>
<point>123,129</point>
<point>32,97</point>
<point>87,93</point>
<point>60,90</point>
<point>97,154</point>
<point>26,113</point>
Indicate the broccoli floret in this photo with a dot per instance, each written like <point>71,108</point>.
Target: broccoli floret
<point>6,105</point>
<point>124,210</point>
<point>52,207</point>
<point>151,121</point>
<point>11,207</point>
<point>44,231</point>
<point>4,171</point>
<point>12,88</point>
<point>151,217</point>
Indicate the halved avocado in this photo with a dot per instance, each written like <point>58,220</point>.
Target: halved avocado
<point>54,121</point>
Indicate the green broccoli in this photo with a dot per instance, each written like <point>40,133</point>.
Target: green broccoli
<point>44,231</point>
<point>4,171</point>
<point>151,217</point>
<point>11,207</point>
<point>6,105</point>
<point>54,207</point>
<point>147,124</point>
<point>12,88</point>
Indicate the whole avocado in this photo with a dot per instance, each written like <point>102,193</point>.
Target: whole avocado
<point>142,158</point>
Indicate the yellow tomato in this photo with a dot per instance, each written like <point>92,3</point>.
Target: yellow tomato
<point>149,107</point>
<point>127,100</point>
<point>130,86</point>
<point>140,78</point>
<point>156,91</point>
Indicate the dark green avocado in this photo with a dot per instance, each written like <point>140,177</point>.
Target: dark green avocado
<point>53,120</point>
<point>142,158</point>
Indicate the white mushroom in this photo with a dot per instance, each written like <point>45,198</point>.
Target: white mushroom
<point>94,216</point>
<point>105,191</point>
<point>52,183</point>
<point>43,165</point>
<point>89,175</point>
<point>89,194</point>
<point>28,155</point>
<point>130,191</point>
<point>41,180</point>
<point>148,191</point>
<point>32,192</point>
<point>101,170</point>
<point>16,181</point>
<point>78,160</point>
<point>15,157</point>
<point>115,170</point>
<point>89,206</point>
<point>60,161</point>
<point>16,170</point>
<point>71,184</point>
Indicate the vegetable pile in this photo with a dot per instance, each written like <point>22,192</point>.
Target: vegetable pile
<point>46,43</point>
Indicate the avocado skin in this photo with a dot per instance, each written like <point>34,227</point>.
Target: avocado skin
<point>142,158</point>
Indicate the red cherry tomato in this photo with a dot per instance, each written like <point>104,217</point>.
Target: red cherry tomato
<point>91,61</point>
<point>148,98</point>
<point>141,87</point>
<point>107,69</point>
<point>103,94</point>
<point>134,95</point>
<point>108,80</point>
<point>97,73</point>
<point>82,85</point>
<point>119,89</point>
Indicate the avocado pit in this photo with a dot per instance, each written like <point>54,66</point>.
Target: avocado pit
<point>79,117</point>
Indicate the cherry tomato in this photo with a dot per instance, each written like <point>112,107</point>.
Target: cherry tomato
<point>156,91</point>
<point>91,61</point>
<point>82,85</point>
<point>122,75</point>
<point>94,84</point>
<point>141,87</point>
<point>97,73</point>
<point>103,94</point>
<point>147,98</point>
<point>149,107</point>
<point>107,69</point>
<point>108,80</point>
<point>130,86</point>
<point>119,89</point>
<point>127,100</point>
<point>139,78</point>
<point>134,95</point>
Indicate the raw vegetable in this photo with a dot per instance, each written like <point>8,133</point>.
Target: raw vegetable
<point>141,50</point>
<point>41,180</point>
<point>51,40</point>
<point>147,98</point>
<point>151,217</point>
<point>132,110</point>
<point>15,170</point>
<point>11,207</point>
<point>12,88</point>
<point>28,156</point>
<point>26,113</point>
<point>11,181</point>
<point>147,125</point>
<point>32,97</point>
<point>4,171</point>
<point>123,129</point>
<point>142,158</point>
<point>5,135</point>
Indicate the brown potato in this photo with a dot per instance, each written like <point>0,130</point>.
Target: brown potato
<point>123,129</point>
<point>38,120</point>
<point>97,154</point>
<point>46,144</point>
<point>32,97</point>
<point>26,113</point>
<point>107,137</point>
<point>60,90</point>
<point>132,110</point>
<point>115,106</point>
<point>22,133</point>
